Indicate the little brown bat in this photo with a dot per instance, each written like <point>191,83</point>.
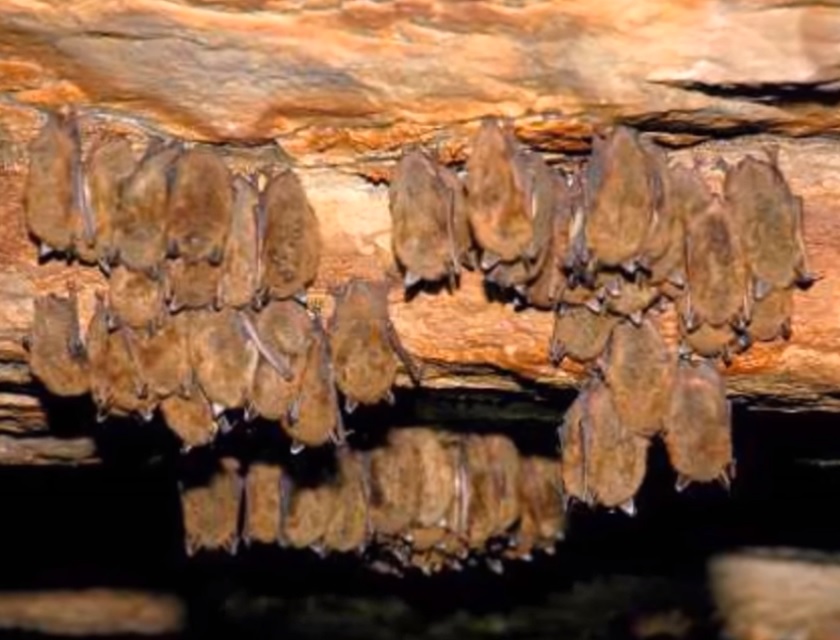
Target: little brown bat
<point>307,512</point>
<point>639,372</point>
<point>394,477</point>
<point>622,191</point>
<point>504,465</point>
<point>423,210</point>
<point>603,462</point>
<point>483,503</point>
<point>771,317</point>
<point>290,237</point>
<point>211,510</point>
<point>630,299</point>
<point>135,300</point>
<point>347,529</point>
<point>769,221</point>
<point>282,333</point>
<point>498,205</point>
<point>191,285</point>
<point>262,522</point>
<point>198,214</point>
<point>163,363</point>
<point>364,344</point>
<point>717,273</point>
<point>712,342</point>
<point>110,164</point>
<point>139,223</point>
<point>51,191</point>
<point>114,382</point>
<point>190,418</point>
<point>542,521</point>
<point>579,334</point>
<point>437,488</point>
<point>241,276</point>
<point>223,357</point>
<point>698,432</point>
<point>57,355</point>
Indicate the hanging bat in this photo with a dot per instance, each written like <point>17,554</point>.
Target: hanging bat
<point>639,371</point>
<point>241,269</point>
<point>631,299</point>
<point>542,521</point>
<point>110,164</point>
<point>223,357</point>
<point>504,467</point>
<point>769,222</point>
<point>56,353</point>
<point>437,473</point>
<point>190,417</point>
<point>211,510</point>
<point>139,223</point>
<point>135,300</point>
<point>771,317</point>
<point>263,508</point>
<point>307,512</point>
<point>483,504</point>
<point>347,529</point>
<point>394,478</point>
<point>290,238</point>
<point>364,344</point>
<point>698,433</point>
<point>191,285</point>
<point>712,342</point>
<point>579,334</point>
<point>51,195</point>
<point>622,191</point>
<point>163,364</point>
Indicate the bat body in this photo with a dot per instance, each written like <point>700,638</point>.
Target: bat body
<point>771,317</point>
<point>263,503</point>
<point>394,476</point>
<point>580,334</point>
<point>307,513</point>
<point>241,276</point>
<point>190,418</point>
<point>135,300</point>
<point>163,362</point>
<point>347,529</point>
<point>191,285</point>
<point>211,510</point>
<point>631,299</point>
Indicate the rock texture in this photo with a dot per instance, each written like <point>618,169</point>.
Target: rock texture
<point>338,88</point>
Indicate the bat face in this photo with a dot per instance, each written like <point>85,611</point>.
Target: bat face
<point>698,429</point>
<point>640,375</point>
<point>622,192</point>
<point>135,300</point>
<point>199,212</point>
<point>110,164</point>
<point>57,355</point>
<point>283,336</point>
<point>241,277</point>
<point>291,241</point>
<point>139,240</point>
<point>498,205</point>
<point>717,275</point>
<point>223,358</point>
<point>262,503</point>
<point>348,526</point>
<point>771,317</point>
<point>191,285</point>
<point>190,418</point>
<point>580,334</point>
<point>49,189</point>
<point>163,363</point>
<point>614,459</point>
<point>394,480</point>
<point>363,343</point>
<point>769,221</point>
<point>422,205</point>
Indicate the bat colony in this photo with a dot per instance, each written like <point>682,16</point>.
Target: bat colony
<point>206,313</point>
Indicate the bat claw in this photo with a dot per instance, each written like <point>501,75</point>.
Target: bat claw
<point>44,251</point>
<point>296,447</point>
<point>489,260</point>
<point>595,305</point>
<point>682,482</point>
<point>761,289</point>
<point>411,280</point>
<point>495,565</point>
<point>628,507</point>
<point>390,398</point>
<point>350,405</point>
<point>301,298</point>
<point>217,409</point>
<point>636,318</point>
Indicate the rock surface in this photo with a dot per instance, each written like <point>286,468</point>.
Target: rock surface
<point>337,88</point>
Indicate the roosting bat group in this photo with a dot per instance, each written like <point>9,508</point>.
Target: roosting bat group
<point>427,499</point>
<point>601,247</point>
<point>206,304</point>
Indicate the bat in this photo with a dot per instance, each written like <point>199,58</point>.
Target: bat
<point>542,520</point>
<point>139,223</point>
<point>717,273</point>
<point>263,509</point>
<point>223,358</point>
<point>307,512</point>
<point>771,317</point>
<point>110,164</point>
<point>290,238</point>
<point>579,334</point>
<point>437,488</point>
<point>698,433</point>
<point>282,333</point>
<point>712,342</point>
<point>364,344</point>
<point>394,476</point>
<point>769,221</point>
<point>190,417</point>
<point>211,510</point>
<point>199,208</point>
<point>498,205</point>
<point>163,364</point>
<point>135,300</point>
<point>50,192</point>
<point>315,416</point>
<point>191,285</point>
<point>483,504</point>
<point>504,468</point>
<point>630,299</point>
<point>115,385</point>
<point>622,192</point>
<point>347,529</point>
<point>56,353</point>
<point>241,270</point>
<point>613,460</point>
<point>423,209</point>
<point>639,371</point>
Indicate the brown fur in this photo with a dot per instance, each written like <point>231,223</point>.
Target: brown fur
<point>580,334</point>
<point>307,514</point>
<point>190,418</point>
<point>241,269</point>
<point>395,477</point>
<point>348,527</point>
<point>191,285</point>
<point>262,503</point>
<point>135,299</point>
<point>211,511</point>
<point>483,504</point>
<point>503,460</point>
<point>772,317</point>
<point>163,362</point>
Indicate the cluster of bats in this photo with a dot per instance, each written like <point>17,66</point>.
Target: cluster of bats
<point>428,499</point>
<point>206,304</point>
